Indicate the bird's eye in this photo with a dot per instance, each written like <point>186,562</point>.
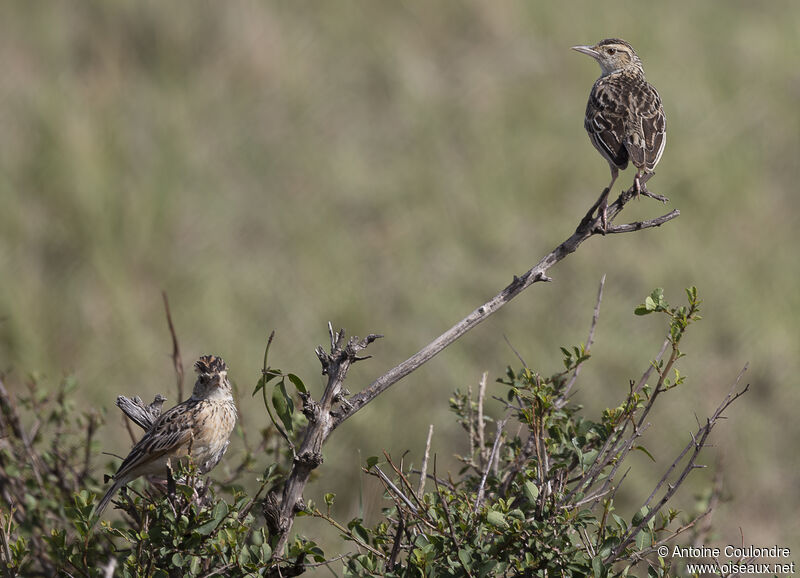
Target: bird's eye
<point>612,50</point>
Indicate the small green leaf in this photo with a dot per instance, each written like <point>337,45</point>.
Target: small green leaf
<point>531,491</point>
<point>298,383</point>
<point>496,519</point>
<point>371,461</point>
<point>597,567</point>
<point>262,381</point>
<point>329,497</point>
<point>283,404</point>
<point>194,565</point>
<point>465,558</point>
<point>639,516</point>
<point>359,531</point>
<point>621,524</point>
<point>646,452</point>
<point>608,545</point>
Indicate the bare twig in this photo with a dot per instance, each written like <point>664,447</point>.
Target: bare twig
<point>695,446</point>
<point>470,426</point>
<point>514,349</point>
<point>177,363</point>
<point>648,224</point>
<point>423,474</point>
<point>638,556</point>
<point>701,534</point>
<point>394,489</point>
<point>481,489</point>
<point>481,423</point>
<point>402,477</point>
<point>445,507</point>
<point>562,400</point>
<point>398,535</point>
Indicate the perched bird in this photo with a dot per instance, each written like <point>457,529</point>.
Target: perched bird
<point>198,428</point>
<point>624,116</point>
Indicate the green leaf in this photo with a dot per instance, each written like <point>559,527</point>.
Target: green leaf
<point>266,551</point>
<point>220,511</point>
<point>639,516</point>
<point>486,568</point>
<point>643,540</point>
<point>531,491</point>
<point>359,531</point>
<point>658,297</point>
<point>177,560</point>
<point>371,461</point>
<point>621,524</point>
<point>266,376</point>
<point>194,565</point>
<point>262,381</point>
<point>298,383</point>
<point>597,567</point>
<point>283,404</point>
<point>465,558</point>
<point>496,519</point>
<point>608,545</point>
<point>329,499</point>
<point>646,452</point>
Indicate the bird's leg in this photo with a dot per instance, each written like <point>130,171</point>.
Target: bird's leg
<point>602,205</point>
<point>638,183</point>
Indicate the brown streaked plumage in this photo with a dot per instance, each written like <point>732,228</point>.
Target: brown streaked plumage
<point>198,428</point>
<point>624,116</point>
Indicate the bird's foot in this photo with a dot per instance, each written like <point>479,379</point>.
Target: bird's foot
<point>601,206</point>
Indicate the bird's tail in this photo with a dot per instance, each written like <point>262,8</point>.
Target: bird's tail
<point>106,499</point>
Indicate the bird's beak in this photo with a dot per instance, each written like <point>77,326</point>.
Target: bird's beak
<point>586,50</point>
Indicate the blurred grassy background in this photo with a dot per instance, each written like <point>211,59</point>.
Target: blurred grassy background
<point>388,167</point>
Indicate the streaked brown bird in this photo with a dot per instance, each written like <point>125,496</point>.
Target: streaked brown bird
<point>624,116</point>
<point>197,429</point>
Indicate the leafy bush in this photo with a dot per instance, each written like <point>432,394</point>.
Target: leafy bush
<point>537,502</point>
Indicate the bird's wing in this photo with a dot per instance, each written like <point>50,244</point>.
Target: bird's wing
<point>645,134</point>
<point>169,433</point>
<point>605,122</point>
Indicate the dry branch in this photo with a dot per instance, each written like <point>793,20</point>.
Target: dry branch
<point>590,225</point>
<point>323,418</point>
<point>695,446</point>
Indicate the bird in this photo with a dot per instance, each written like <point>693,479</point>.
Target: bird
<point>197,429</point>
<point>624,116</point>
